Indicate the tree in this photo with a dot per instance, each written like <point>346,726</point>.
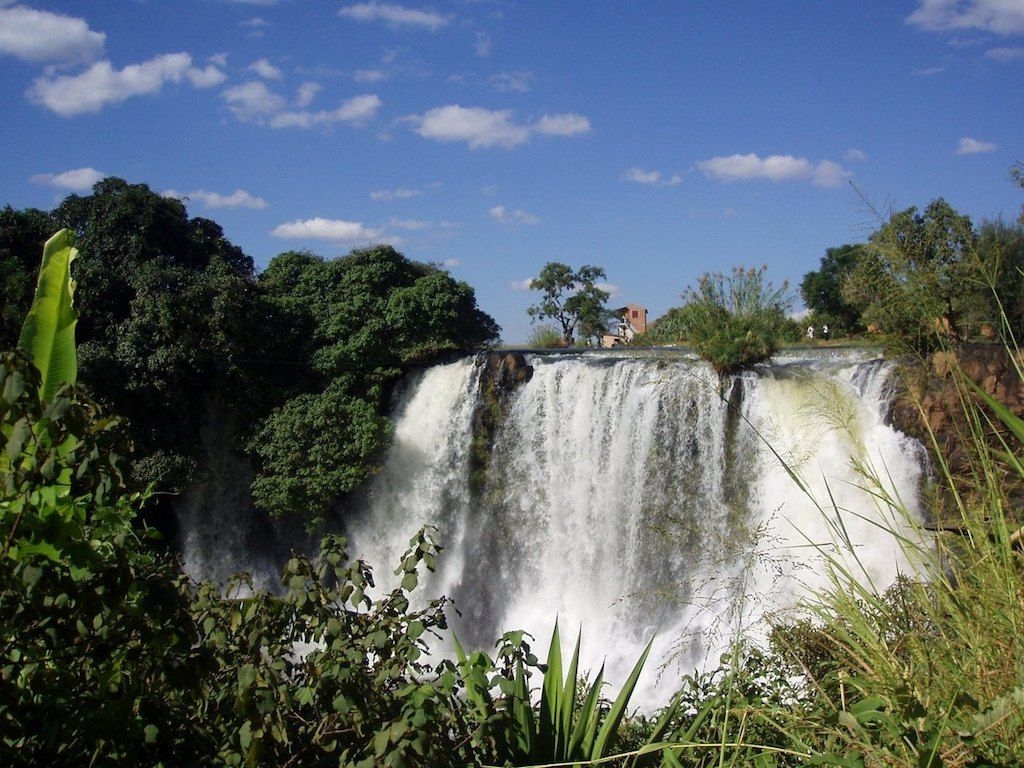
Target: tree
<point>347,328</point>
<point>572,299</point>
<point>919,278</point>
<point>735,321</point>
<point>822,290</point>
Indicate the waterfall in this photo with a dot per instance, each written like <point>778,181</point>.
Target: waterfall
<point>627,496</point>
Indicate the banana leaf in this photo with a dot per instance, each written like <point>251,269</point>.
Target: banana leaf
<point>48,334</point>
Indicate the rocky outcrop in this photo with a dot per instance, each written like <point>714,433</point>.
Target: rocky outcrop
<point>500,374</point>
<point>929,402</point>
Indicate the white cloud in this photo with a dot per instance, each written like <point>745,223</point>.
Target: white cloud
<point>969,146</point>
<point>402,193</point>
<point>485,128</point>
<point>562,125</point>
<point>369,76</point>
<point>356,111</point>
<point>449,263</point>
<point>477,126</point>
<point>774,168</point>
<point>306,93</point>
<point>1000,17</point>
<point>503,216</point>
<point>257,27</point>
<point>237,199</point>
<point>265,69</point>
<point>253,101</point>
<point>521,285</point>
<point>334,230</point>
<point>207,77</point>
<point>44,37</point>
<point>77,180</point>
<point>651,178</point>
<point>1005,54</point>
<point>855,154</point>
<point>614,291</point>
<point>482,45</point>
<point>397,15</point>
<point>101,84</point>
<point>829,174</point>
<point>516,82</point>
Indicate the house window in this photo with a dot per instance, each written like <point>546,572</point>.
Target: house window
<point>636,313</point>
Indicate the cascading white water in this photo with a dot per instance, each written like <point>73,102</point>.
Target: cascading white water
<point>626,496</point>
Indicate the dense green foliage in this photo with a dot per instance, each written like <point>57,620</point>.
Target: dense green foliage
<point>822,291</point>
<point>734,321</point>
<point>174,324</point>
<point>572,299</point>
<point>918,275</point>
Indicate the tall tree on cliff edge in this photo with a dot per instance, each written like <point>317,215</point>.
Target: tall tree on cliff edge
<point>572,299</point>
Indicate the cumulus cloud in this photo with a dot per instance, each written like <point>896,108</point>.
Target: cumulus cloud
<point>504,216</point>
<point>101,84</point>
<point>334,230</point>
<point>562,125</point>
<point>253,101</point>
<point>402,193</point>
<point>396,15</point>
<point>774,168</point>
<point>969,146</point>
<point>521,285</point>
<point>356,111</point>
<point>265,69</point>
<point>855,154</point>
<point>484,128</point>
<point>77,180</point>
<point>237,199</point>
<point>50,38</point>
<point>476,126</point>
<point>651,178</point>
<point>1000,17</point>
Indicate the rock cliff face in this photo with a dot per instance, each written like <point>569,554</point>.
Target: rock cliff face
<point>930,403</point>
<point>500,374</point>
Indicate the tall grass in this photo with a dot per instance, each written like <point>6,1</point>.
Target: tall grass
<point>931,671</point>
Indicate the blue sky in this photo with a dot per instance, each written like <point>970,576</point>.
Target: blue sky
<point>660,140</point>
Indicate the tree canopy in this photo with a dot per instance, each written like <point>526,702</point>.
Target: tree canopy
<point>822,289</point>
<point>572,299</point>
<point>173,321</point>
<point>919,274</point>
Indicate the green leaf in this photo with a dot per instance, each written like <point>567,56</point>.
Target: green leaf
<point>49,331</point>
<point>618,708</point>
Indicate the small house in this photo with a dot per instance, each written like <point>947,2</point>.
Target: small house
<point>632,319</point>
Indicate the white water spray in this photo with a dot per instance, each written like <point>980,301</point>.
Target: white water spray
<point>626,496</point>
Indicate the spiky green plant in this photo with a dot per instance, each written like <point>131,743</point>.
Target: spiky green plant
<point>569,723</point>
